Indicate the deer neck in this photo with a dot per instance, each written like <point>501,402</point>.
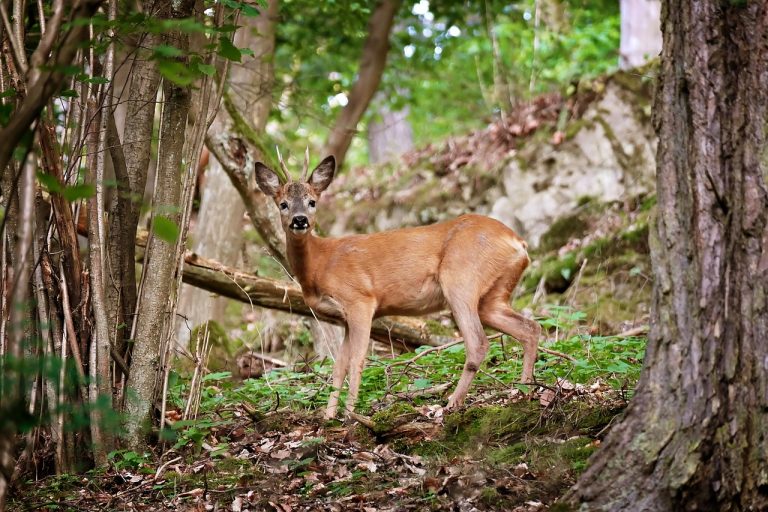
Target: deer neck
<point>303,253</point>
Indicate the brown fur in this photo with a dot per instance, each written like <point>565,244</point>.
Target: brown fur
<point>469,265</point>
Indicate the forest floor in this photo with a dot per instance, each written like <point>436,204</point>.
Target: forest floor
<point>261,444</point>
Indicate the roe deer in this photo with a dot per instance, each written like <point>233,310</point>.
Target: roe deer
<point>470,265</point>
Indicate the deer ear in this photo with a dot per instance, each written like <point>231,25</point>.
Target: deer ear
<point>322,176</point>
<point>267,179</point>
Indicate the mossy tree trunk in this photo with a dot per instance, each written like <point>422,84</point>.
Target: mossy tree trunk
<point>695,437</point>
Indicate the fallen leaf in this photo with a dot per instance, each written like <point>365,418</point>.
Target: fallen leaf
<point>546,397</point>
<point>280,454</point>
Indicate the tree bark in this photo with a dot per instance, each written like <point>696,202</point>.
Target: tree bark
<point>372,63</point>
<point>232,152</point>
<point>695,435</point>
<point>131,164</point>
<point>251,92</point>
<point>161,253</point>
<point>389,136</point>
<point>12,403</point>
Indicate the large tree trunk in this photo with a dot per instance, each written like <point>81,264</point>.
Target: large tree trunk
<point>218,232</point>
<point>372,63</point>
<point>640,34</point>
<point>695,437</point>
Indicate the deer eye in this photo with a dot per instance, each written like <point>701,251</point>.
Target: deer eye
<point>312,203</point>
<point>283,205</point>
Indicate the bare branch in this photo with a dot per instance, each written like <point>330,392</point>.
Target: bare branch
<point>47,83</point>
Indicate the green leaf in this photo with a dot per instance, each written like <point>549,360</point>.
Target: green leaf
<point>206,69</point>
<point>217,376</point>
<point>166,50</point>
<point>166,229</point>
<point>50,183</point>
<point>245,8</point>
<point>422,383</point>
<point>228,50</point>
<point>176,72</point>
<point>68,93</point>
<point>80,191</point>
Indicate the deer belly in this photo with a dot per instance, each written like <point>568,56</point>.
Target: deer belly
<point>412,299</point>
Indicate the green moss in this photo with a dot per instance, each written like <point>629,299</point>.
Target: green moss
<point>563,230</point>
<point>437,328</point>
<point>648,203</point>
<point>397,414</point>
<point>575,126</point>
<point>489,497</point>
<point>222,348</point>
<point>508,454</point>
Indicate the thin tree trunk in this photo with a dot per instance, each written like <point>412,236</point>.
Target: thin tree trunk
<point>372,63</point>
<point>251,92</point>
<point>100,339</point>
<point>12,400</point>
<point>161,255</point>
<point>694,437</point>
<point>131,183</point>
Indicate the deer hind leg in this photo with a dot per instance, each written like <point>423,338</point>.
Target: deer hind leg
<point>475,343</point>
<point>497,314</point>
<point>340,368</point>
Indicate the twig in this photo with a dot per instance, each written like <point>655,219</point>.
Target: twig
<point>558,354</point>
<point>634,331</point>
<point>272,360</point>
<point>165,465</point>
<point>438,348</point>
<point>363,420</point>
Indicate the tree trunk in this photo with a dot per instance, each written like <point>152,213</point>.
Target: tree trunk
<point>640,32</point>
<point>130,161</point>
<point>389,136</point>
<point>12,401</point>
<point>251,86</point>
<point>694,437</point>
<point>161,253</point>
<point>372,63</point>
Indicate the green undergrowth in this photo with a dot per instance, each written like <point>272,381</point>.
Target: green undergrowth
<point>504,429</point>
<point>611,359</point>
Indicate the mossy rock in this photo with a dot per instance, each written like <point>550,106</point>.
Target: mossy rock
<point>563,230</point>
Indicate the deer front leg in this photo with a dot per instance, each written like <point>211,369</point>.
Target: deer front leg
<point>359,339</point>
<point>340,368</point>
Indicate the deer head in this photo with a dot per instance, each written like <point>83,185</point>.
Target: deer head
<point>296,200</point>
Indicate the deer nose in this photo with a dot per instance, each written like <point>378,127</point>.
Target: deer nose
<point>300,222</point>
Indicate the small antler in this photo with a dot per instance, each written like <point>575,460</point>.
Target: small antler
<point>306,165</point>
<point>284,174</point>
